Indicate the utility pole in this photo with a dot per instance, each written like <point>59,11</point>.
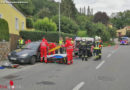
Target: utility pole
<point>59,20</point>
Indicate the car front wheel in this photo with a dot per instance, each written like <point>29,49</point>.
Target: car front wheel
<point>33,60</point>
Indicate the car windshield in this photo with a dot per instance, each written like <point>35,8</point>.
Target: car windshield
<point>124,39</point>
<point>32,46</point>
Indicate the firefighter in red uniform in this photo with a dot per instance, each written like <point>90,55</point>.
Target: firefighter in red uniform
<point>51,46</point>
<point>69,50</point>
<point>43,50</point>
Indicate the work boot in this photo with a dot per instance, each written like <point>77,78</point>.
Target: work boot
<point>68,63</point>
<point>45,61</point>
<point>41,60</point>
<point>82,59</point>
<point>86,59</point>
<point>71,62</point>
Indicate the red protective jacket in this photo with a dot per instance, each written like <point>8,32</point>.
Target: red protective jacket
<point>69,46</point>
<point>52,45</point>
<point>44,43</point>
<point>27,41</point>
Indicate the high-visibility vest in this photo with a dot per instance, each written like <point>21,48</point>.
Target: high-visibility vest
<point>97,45</point>
<point>20,42</point>
<point>60,42</point>
<point>72,41</point>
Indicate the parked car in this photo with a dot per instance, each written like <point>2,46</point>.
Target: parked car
<point>29,53</point>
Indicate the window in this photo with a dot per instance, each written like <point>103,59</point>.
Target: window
<point>0,15</point>
<point>16,24</point>
<point>22,25</point>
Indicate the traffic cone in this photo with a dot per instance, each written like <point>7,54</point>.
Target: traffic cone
<point>12,85</point>
<point>109,45</point>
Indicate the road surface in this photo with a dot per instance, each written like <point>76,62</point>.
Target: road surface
<point>110,73</point>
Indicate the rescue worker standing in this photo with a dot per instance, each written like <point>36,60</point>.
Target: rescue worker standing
<point>20,42</point>
<point>89,45</point>
<point>80,49</point>
<point>43,50</point>
<point>97,50</point>
<point>84,52</point>
<point>61,43</point>
<point>69,50</point>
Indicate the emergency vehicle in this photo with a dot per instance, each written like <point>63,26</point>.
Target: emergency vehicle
<point>77,42</point>
<point>124,41</point>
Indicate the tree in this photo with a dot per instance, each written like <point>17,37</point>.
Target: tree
<point>29,22</point>
<point>68,9</point>
<point>82,33</point>
<point>101,30</point>
<point>90,27</point>
<point>101,17</point>
<point>38,8</point>
<point>67,25</point>
<point>82,19</point>
<point>26,8</point>
<point>45,12</point>
<point>45,25</point>
<point>121,19</point>
<point>112,32</point>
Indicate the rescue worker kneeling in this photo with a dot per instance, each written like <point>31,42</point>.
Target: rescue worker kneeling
<point>51,46</point>
<point>84,51</point>
<point>43,50</point>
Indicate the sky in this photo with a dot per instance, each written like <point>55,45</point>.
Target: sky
<point>108,6</point>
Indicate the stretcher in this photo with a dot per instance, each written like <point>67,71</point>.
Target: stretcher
<point>57,58</point>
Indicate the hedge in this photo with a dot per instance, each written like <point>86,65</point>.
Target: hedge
<point>38,35</point>
<point>4,30</point>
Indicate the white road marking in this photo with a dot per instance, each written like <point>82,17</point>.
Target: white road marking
<point>79,86</point>
<point>113,52</point>
<point>100,64</point>
<point>109,55</point>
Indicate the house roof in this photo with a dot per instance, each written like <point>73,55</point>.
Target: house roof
<point>9,3</point>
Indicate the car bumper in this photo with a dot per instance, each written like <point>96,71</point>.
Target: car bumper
<point>19,59</point>
<point>124,44</point>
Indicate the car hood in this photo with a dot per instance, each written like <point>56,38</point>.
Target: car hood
<point>22,51</point>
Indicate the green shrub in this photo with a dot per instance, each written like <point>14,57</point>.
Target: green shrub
<point>82,33</point>
<point>38,35</point>
<point>105,44</point>
<point>67,24</point>
<point>4,30</point>
<point>45,24</point>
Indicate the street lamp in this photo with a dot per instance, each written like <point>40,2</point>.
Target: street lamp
<point>59,20</point>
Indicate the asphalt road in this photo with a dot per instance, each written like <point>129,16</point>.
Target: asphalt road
<point>110,73</point>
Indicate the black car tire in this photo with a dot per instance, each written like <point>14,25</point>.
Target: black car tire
<point>33,60</point>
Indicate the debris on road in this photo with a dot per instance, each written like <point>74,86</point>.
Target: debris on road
<point>10,65</point>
